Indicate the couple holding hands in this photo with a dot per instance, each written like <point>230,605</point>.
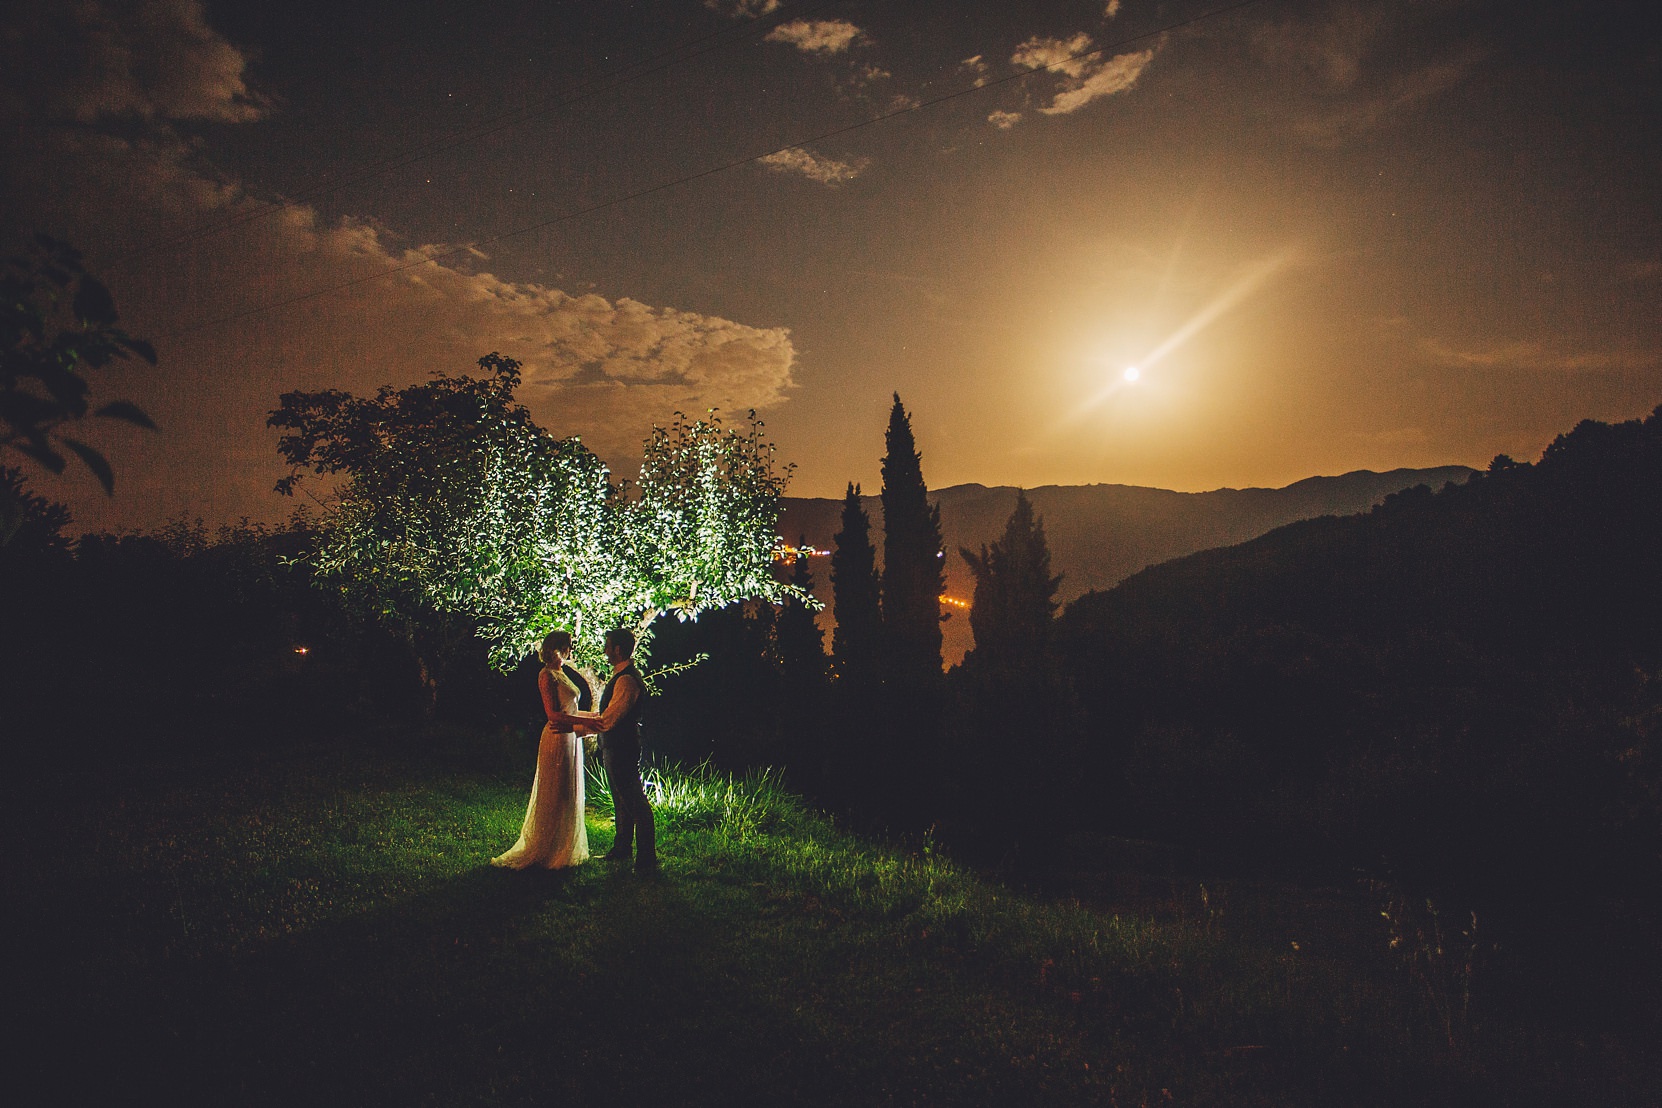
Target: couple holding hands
<point>554,835</point>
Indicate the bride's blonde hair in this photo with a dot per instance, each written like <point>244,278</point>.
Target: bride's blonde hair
<point>554,640</point>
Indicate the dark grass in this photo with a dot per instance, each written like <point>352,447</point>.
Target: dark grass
<point>321,927</point>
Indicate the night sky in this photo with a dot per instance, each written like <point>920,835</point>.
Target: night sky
<point>1330,236</point>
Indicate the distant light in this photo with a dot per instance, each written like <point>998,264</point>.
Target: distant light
<point>302,650</point>
<point>954,602</point>
<point>1132,373</point>
<point>784,552</point>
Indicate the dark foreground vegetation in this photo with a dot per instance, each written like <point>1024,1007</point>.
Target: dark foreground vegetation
<point>318,925</point>
<point>1367,810</point>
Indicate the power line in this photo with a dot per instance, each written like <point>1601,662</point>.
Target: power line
<point>585,90</point>
<point>434,259</point>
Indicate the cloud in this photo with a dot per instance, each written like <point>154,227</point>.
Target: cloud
<point>1533,356</point>
<point>603,367</point>
<point>743,9</point>
<point>1647,270</point>
<point>1004,120</point>
<point>1087,75</point>
<point>975,67</point>
<point>1330,124</point>
<point>153,59</point>
<point>1395,437</point>
<point>1117,74</point>
<point>1331,48</point>
<point>818,36</point>
<point>1349,59</point>
<point>1060,55</point>
<point>1111,9</point>
<point>827,171</point>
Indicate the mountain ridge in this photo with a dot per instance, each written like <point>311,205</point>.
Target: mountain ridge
<point>1100,534</point>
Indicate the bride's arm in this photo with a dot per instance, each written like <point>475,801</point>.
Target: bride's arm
<point>563,715</point>
<point>550,695</point>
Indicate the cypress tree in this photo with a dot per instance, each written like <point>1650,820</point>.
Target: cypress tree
<point>914,571</point>
<point>856,643</point>
<point>1015,595</point>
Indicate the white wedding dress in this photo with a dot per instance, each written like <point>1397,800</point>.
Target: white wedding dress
<point>554,835</point>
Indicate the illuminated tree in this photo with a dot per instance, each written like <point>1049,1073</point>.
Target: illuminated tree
<point>56,321</point>
<point>701,528</point>
<point>914,571</point>
<point>459,516</point>
<point>856,601</point>
<point>1015,595</point>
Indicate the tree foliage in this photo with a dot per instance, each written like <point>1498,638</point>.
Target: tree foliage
<point>36,524</point>
<point>56,322</point>
<point>700,528</point>
<point>458,515</point>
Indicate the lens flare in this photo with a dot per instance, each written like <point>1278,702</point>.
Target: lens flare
<point>1248,281</point>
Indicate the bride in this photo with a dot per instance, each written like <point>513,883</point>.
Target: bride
<point>553,835</point>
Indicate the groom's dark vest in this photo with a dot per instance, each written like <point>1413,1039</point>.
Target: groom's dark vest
<point>627,733</point>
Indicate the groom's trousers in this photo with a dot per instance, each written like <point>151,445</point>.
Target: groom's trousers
<point>630,810</point>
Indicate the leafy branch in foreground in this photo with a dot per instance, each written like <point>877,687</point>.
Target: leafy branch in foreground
<point>56,321</point>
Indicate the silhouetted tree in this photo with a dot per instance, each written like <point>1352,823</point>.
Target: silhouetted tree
<point>1015,595</point>
<point>36,524</point>
<point>907,710</point>
<point>801,643</point>
<point>856,643</point>
<point>914,571</point>
<point>1011,616</point>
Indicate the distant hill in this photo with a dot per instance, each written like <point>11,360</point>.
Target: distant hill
<point>1465,685</point>
<point>1101,534</point>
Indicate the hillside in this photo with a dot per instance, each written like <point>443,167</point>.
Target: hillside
<point>1463,686</point>
<point>1101,534</point>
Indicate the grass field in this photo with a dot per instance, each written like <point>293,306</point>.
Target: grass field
<point>321,927</point>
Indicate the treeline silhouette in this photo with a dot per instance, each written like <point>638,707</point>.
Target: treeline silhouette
<point>185,640</point>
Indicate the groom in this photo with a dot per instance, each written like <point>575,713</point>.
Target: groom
<point>619,723</point>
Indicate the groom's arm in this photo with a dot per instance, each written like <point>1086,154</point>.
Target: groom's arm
<point>625,694</point>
